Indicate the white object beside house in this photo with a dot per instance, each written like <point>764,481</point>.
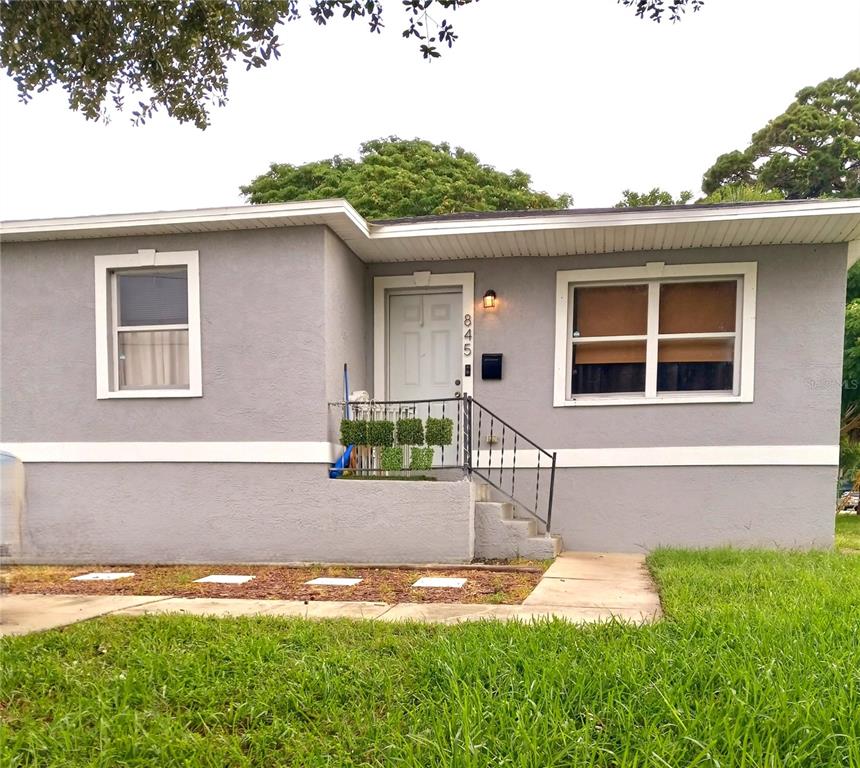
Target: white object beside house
<point>440,582</point>
<point>333,581</point>
<point>101,576</point>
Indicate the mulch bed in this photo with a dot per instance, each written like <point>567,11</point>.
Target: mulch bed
<point>278,583</point>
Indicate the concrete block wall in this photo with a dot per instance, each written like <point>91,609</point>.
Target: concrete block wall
<point>238,513</point>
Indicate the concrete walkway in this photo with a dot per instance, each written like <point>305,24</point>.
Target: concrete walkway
<point>578,587</point>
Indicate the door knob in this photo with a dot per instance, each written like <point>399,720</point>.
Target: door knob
<point>456,382</point>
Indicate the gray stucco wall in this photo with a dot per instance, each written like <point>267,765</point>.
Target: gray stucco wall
<point>263,332</point>
<point>238,513</point>
<point>346,280</point>
<point>634,509</point>
<point>282,310</point>
<point>798,365</point>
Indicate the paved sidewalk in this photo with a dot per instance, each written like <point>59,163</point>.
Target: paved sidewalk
<point>579,587</point>
<point>614,582</point>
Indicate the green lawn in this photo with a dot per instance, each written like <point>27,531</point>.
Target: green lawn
<point>848,532</point>
<point>758,665</point>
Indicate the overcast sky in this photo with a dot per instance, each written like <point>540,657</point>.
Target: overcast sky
<point>580,94</point>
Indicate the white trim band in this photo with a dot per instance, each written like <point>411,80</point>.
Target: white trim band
<point>671,456</point>
<point>325,453</point>
<point>192,453</point>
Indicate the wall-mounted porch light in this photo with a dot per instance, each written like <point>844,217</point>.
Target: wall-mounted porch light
<point>489,299</point>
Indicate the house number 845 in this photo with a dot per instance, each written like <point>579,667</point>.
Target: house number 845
<point>467,345</point>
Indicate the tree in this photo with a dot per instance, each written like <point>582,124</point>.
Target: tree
<point>810,150</point>
<point>403,177</point>
<point>851,360</point>
<point>742,193</point>
<point>174,54</point>
<point>655,196</point>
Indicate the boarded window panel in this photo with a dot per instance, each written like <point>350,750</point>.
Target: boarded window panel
<point>609,352</point>
<point>610,310</point>
<point>695,365</point>
<point>707,307</point>
<point>695,350</point>
<point>611,367</point>
<point>150,297</point>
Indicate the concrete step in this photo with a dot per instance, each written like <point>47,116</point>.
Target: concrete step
<point>485,493</point>
<point>541,547</point>
<point>504,509</point>
<point>501,536</point>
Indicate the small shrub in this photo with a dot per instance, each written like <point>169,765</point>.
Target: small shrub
<point>380,433</point>
<point>392,458</point>
<point>439,431</point>
<point>410,432</point>
<point>353,432</point>
<point>421,458</point>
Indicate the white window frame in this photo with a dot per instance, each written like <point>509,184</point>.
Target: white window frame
<point>653,273</point>
<point>107,386</point>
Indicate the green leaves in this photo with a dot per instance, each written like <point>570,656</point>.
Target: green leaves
<point>380,433</point>
<point>395,178</point>
<point>168,54</point>
<point>439,431</point>
<point>741,193</point>
<point>410,432</point>
<point>655,196</point>
<point>176,52</point>
<point>851,360</point>
<point>421,458</point>
<point>391,458</point>
<point>810,150</point>
<point>353,432</point>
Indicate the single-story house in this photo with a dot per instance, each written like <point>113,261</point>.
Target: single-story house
<point>173,382</point>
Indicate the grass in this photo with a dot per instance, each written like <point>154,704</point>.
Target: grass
<point>757,665</point>
<point>848,532</point>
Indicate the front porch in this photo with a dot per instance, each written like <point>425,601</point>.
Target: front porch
<point>400,450</point>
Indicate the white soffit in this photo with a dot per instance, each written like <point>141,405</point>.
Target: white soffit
<point>491,236</point>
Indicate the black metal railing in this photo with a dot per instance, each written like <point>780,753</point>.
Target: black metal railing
<point>367,458</point>
<point>507,453</point>
<point>482,445</point>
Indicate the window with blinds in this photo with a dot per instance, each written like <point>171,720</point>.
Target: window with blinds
<point>654,338</point>
<point>151,328</point>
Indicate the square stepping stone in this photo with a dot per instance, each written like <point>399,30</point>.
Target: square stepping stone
<point>220,578</point>
<point>333,581</point>
<point>102,576</point>
<point>439,582</point>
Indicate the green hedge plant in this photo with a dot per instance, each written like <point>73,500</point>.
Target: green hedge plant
<point>380,433</point>
<point>353,432</point>
<point>421,458</point>
<point>392,458</point>
<point>439,431</point>
<point>410,432</point>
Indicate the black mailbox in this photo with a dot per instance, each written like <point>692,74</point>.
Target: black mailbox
<point>491,365</point>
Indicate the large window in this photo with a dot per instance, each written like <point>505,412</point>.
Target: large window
<point>147,319</point>
<point>655,334</point>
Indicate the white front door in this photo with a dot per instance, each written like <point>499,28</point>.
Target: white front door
<point>424,349</point>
